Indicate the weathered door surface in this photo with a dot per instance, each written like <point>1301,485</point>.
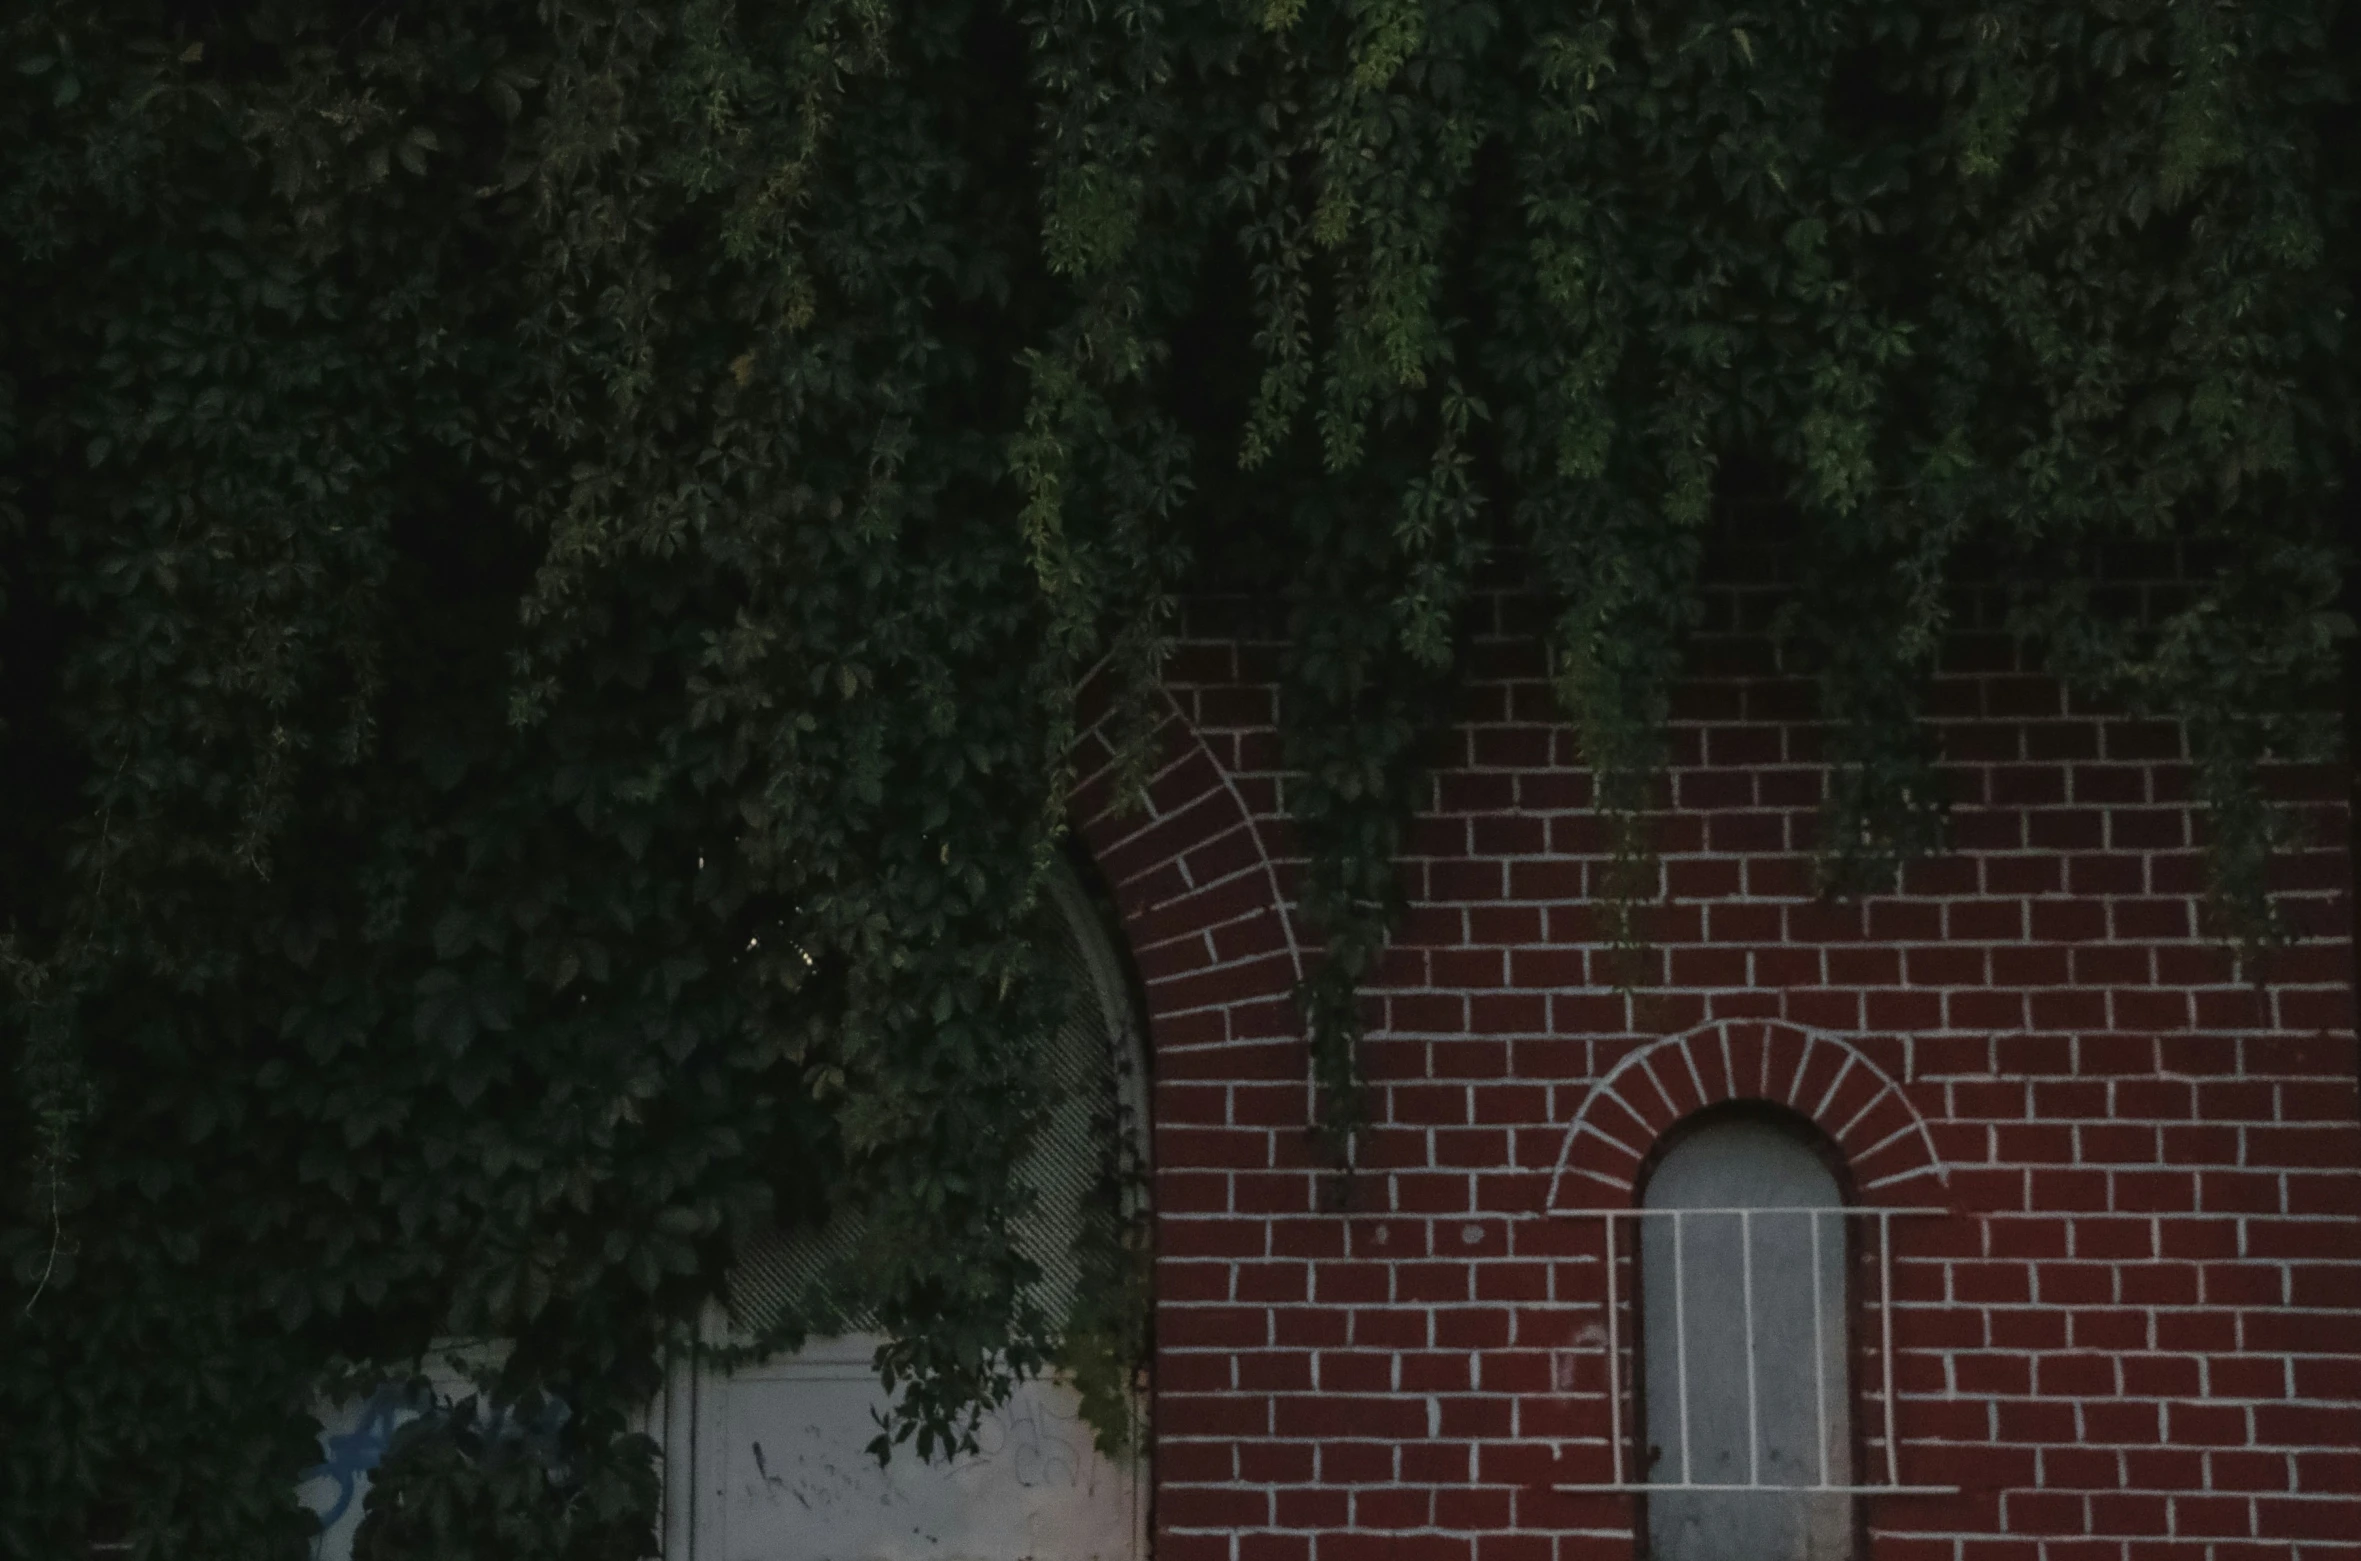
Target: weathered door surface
<point>779,1472</point>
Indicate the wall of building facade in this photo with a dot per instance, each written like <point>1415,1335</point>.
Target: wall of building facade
<point>2135,1331</point>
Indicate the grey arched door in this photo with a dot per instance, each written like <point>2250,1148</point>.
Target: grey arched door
<point>1747,1408</point>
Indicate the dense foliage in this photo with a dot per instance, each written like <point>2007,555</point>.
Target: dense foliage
<point>547,552</point>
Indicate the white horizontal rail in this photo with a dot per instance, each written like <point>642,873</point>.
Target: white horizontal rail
<point>1847,1211</point>
<point>1745,1215</point>
<point>1667,1487</point>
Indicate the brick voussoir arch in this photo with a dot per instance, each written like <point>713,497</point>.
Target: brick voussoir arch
<point>1194,884</point>
<point>1822,1077</point>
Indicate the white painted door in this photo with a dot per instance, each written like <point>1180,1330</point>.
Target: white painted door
<point>776,1469</point>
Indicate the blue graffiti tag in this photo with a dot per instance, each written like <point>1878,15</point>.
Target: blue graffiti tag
<point>352,1454</point>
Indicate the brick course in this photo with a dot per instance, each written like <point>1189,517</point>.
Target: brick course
<point>2136,1333</point>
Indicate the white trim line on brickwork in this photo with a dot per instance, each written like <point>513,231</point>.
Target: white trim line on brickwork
<point>1892,1484</point>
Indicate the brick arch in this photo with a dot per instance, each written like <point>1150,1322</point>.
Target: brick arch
<point>1823,1077</point>
<point>1199,896</point>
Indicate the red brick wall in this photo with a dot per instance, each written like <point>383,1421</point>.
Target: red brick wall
<point>2137,1331</point>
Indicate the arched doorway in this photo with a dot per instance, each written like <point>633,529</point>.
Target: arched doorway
<point>768,1462</point>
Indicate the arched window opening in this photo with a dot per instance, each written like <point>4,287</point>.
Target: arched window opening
<point>1746,1388</point>
<point>1745,1337</point>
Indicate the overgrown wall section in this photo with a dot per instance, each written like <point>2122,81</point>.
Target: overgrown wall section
<point>2137,1331</point>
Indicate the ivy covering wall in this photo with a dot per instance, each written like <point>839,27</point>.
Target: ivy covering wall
<point>547,552</point>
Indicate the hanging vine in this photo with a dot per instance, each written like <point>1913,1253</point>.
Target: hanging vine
<point>548,555</point>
